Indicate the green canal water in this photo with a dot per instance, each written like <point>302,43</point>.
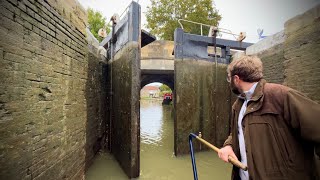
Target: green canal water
<point>157,161</point>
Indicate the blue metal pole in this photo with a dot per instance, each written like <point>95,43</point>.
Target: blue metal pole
<point>194,166</point>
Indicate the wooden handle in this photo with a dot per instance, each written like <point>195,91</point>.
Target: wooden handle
<point>231,159</point>
<point>237,163</point>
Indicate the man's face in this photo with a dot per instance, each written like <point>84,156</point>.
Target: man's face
<point>233,86</point>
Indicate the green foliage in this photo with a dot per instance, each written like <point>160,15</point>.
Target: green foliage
<point>164,87</point>
<point>163,16</point>
<point>96,21</point>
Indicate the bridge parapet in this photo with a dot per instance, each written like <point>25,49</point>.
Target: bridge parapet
<point>160,49</point>
<point>157,58</point>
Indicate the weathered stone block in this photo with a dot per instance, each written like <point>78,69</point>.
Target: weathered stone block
<point>27,25</point>
<point>5,12</point>
<point>40,98</point>
<point>15,2</point>
<point>300,21</point>
<point>7,5</point>
<point>30,5</point>
<point>22,6</point>
<point>1,53</point>
<point>30,12</point>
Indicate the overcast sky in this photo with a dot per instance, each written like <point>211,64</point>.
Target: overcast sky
<point>237,15</point>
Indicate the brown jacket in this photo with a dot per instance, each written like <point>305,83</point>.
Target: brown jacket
<point>281,128</point>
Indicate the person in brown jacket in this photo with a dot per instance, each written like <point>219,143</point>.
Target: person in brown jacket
<point>274,129</point>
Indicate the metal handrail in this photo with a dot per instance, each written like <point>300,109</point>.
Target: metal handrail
<point>194,23</point>
<point>121,15</point>
<point>193,160</point>
<point>125,10</point>
<point>222,30</point>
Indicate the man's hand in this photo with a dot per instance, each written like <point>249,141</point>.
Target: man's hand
<point>225,152</point>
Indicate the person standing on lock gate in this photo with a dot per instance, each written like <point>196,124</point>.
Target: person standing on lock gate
<point>274,129</point>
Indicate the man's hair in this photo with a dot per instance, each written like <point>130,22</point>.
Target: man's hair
<point>248,68</point>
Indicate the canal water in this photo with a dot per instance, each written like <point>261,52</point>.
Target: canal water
<point>157,160</point>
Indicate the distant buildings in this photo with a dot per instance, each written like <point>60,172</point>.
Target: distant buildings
<point>150,91</point>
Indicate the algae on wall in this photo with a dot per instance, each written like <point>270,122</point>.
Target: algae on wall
<point>125,108</point>
<point>202,102</point>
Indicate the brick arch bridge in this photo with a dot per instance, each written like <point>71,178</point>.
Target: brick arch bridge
<point>157,63</point>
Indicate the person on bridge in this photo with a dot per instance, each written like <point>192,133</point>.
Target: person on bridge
<point>274,129</point>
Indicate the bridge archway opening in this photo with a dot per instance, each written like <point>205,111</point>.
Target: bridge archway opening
<point>155,90</point>
<point>167,79</point>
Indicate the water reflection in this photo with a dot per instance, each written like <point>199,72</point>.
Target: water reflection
<point>157,160</point>
<point>151,122</point>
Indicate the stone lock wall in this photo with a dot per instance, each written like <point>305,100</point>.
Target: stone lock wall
<point>51,93</point>
<point>271,52</point>
<point>302,53</point>
<point>291,57</point>
<point>96,96</point>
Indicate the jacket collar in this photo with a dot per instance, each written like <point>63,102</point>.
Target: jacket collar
<point>248,94</point>
<point>258,94</point>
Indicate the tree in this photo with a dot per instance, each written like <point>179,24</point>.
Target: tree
<point>163,15</point>
<point>164,87</point>
<point>96,21</point>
